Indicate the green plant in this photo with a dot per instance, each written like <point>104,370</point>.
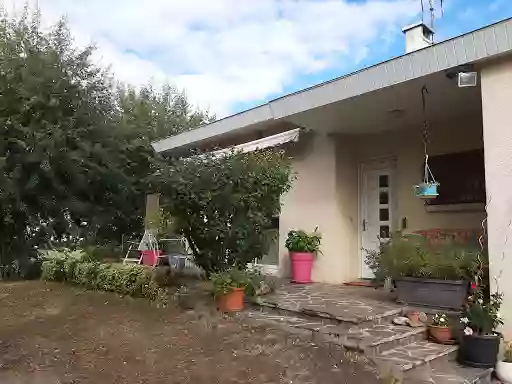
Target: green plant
<point>78,268</point>
<point>223,282</point>
<point>440,320</point>
<point>301,241</point>
<point>224,205</point>
<point>75,153</point>
<point>507,353</point>
<point>414,256</point>
<point>258,284</point>
<point>482,313</point>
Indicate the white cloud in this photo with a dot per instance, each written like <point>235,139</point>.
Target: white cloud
<point>227,51</point>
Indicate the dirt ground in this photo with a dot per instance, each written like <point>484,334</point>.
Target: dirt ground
<point>55,333</point>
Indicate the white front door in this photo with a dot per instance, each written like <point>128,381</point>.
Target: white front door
<point>376,209</point>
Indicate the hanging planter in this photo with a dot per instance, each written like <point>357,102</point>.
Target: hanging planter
<point>426,190</point>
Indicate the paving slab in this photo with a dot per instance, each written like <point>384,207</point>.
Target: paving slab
<point>413,355</point>
<point>343,303</point>
<point>453,373</point>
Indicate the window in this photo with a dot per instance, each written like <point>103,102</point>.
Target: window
<point>461,178</point>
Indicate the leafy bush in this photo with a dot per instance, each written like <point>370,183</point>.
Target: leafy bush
<point>258,284</point>
<point>224,204</point>
<point>78,268</point>
<point>25,268</point>
<point>104,252</point>
<point>301,241</point>
<point>414,256</point>
<point>224,281</point>
<point>53,270</point>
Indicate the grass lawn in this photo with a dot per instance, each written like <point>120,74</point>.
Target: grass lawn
<point>54,333</point>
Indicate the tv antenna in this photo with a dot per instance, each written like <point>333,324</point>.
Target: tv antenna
<point>431,9</point>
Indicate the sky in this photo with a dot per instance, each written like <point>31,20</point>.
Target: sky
<point>231,55</point>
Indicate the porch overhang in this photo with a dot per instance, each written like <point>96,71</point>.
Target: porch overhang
<point>470,48</point>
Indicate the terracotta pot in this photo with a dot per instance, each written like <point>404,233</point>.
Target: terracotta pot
<point>302,264</point>
<point>232,301</point>
<point>442,335</point>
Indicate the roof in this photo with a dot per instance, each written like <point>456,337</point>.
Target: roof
<point>471,47</point>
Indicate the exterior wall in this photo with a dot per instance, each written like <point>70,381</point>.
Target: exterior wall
<point>497,117</point>
<point>326,191</point>
<point>313,201</point>
<point>406,147</point>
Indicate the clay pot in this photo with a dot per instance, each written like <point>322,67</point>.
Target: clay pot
<point>232,301</point>
<point>442,335</point>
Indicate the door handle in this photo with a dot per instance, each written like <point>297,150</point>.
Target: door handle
<point>364,225</point>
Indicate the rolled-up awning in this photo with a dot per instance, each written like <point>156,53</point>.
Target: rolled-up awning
<point>266,142</point>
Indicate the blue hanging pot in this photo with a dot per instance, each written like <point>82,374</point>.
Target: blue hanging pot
<point>426,190</point>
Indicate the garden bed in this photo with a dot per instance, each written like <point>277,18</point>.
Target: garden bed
<point>51,332</point>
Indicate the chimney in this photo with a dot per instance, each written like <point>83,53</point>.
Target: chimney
<point>418,36</point>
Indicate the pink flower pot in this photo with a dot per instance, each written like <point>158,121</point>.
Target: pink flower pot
<point>302,264</point>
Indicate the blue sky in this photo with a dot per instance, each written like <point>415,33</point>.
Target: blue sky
<point>230,55</point>
<point>459,17</point>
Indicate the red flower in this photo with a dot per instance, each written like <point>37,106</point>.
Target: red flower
<point>474,286</point>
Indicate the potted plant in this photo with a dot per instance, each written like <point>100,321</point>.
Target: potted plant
<point>504,367</point>
<point>426,274</point>
<point>480,342</point>
<point>440,329</point>
<point>228,289</point>
<point>303,247</point>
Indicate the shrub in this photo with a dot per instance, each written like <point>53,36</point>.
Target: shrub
<point>225,204</point>
<point>53,270</point>
<point>258,284</point>
<point>301,241</point>
<point>414,256</point>
<point>104,252</point>
<point>78,268</point>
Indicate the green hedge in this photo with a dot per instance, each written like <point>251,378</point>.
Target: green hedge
<point>75,267</point>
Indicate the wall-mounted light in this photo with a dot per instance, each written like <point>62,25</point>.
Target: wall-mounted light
<point>467,79</point>
<point>465,74</point>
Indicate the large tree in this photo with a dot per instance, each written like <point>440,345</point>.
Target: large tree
<point>75,154</point>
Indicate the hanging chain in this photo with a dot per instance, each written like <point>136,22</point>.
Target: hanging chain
<point>428,176</point>
<point>425,132</point>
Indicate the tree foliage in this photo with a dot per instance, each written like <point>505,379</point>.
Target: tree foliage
<point>224,204</point>
<point>74,155</point>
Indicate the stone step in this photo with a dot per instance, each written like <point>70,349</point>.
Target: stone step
<point>422,356</point>
<point>365,315</point>
<point>447,372</point>
<point>450,372</point>
<point>377,338</point>
<point>370,339</point>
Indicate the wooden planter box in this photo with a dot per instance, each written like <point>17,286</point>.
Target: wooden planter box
<point>442,294</point>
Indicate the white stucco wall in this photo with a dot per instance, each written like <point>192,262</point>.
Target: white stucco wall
<point>406,147</point>
<point>326,190</point>
<point>313,201</point>
<point>497,126</point>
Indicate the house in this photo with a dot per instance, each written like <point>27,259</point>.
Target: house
<point>359,150</point>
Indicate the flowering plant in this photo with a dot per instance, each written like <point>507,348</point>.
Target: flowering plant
<point>440,320</point>
<point>482,316</point>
